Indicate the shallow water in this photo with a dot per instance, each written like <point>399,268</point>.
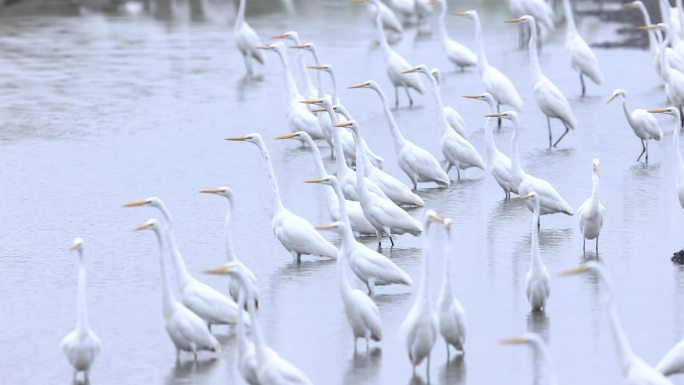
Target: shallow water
<point>97,109</point>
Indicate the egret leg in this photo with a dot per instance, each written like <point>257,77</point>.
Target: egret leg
<point>378,235</point>
<point>371,287</point>
<point>498,120</point>
<point>248,64</point>
<point>367,343</point>
<point>562,136</point>
<point>299,257</point>
<point>209,327</point>
<point>448,352</point>
<point>597,237</point>
<point>548,125</point>
<point>449,166</point>
<point>427,369</point>
<point>355,341</point>
<point>643,150</point>
<point>646,160</point>
<point>681,113</point>
<point>458,173</point>
<point>396,97</point>
<point>178,356</point>
<point>584,88</point>
<point>408,94</point>
<point>462,69</point>
<point>584,244</point>
<point>391,240</point>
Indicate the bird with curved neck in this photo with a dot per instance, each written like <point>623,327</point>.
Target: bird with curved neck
<point>634,369</point>
<point>416,162</point>
<point>358,222</point>
<point>494,81</point>
<point>390,21</point>
<point>420,327</point>
<point>82,345</point>
<point>537,344</point>
<point>457,53</point>
<point>384,215</point>
<point>295,233</point>
<point>234,287</point>
<point>454,119</point>
<point>497,162</point>
<point>214,307</point>
<point>246,39</point>
<point>679,183</point>
<point>550,201</point>
<point>537,286</point>
<point>550,99</point>
<point>299,117</point>
<point>653,35</point>
<point>371,267</point>
<point>582,58</point>
<point>450,312</point>
<point>309,90</point>
<point>644,125</point>
<point>311,48</point>
<point>395,65</point>
<point>185,328</point>
<point>591,214</point>
<point>674,79</point>
<point>458,152</point>
<point>270,367</point>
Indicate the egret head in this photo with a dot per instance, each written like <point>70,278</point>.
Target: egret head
<point>634,4</point>
<point>526,19</point>
<point>77,244</point>
<point>596,167</point>
<point>335,226</point>
<point>253,137</point>
<point>224,191</point>
<point>531,196</point>
<point>421,68</point>
<point>616,93</point>
<point>673,111</point>
<point>432,217</point>
<point>436,74</point>
<point>278,47</point>
<point>350,124</point>
<point>366,84</point>
<point>329,180</point>
<point>323,67</point>
<point>291,35</point>
<point>469,14</point>
<point>342,110</point>
<point>509,115</point>
<point>311,47</point>
<point>233,269</point>
<point>485,97</point>
<point>152,202</point>
<point>151,224</point>
<point>323,102</point>
<point>295,135</point>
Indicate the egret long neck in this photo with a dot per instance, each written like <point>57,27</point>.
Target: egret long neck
<point>382,38</point>
<point>347,234</point>
<point>397,136</point>
<point>228,233</point>
<point>319,82</point>
<point>624,349</point>
<point>440,106</point>
<point>181,270</point>
<point>595,190</point>
<point>664,63</point>
<point>276,202</point>
<point>489,136</point>
<point>322,172</point>
<point>82,323</point>
<point>652,35</point>
<point>446,281</point>
<point>515,161</point>
<point>424,289</point>
<point>293,92</point>
<point>628,114</point>
<point>442,23</point>
<point>240,18</point>
<point>340,160</point>
<point>333,80</point>
<point>360,166</point>
<point>535,68</point>
<point>571,29</point>
<point>675,141</point>
<point>241,334</point>
<point>536,257</point>
<point>345,286</point>
<point>481,57</point>
<point>259,343</point>
<point>308,85</point>
<point>167,293</point>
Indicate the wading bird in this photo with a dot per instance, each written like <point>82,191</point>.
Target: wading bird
<point>677,151</point>
<point>309,90</point>
<point>390,22</point>
<point>591,214</point>
<point>450,313</point>
<point>82,345</point>
<point>246,39</point>
<point>644,125</point>
<point>582,58</point>
<point>537,286</point>
<point>456,52</point>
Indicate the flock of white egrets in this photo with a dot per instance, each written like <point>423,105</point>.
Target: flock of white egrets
<point>364,200</point>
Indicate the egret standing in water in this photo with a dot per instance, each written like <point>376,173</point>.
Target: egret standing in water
<point>451,316</point>
<point>644,125</point>
<point>234,287</point>
<point>82,345</point>
<point>457,53</point>
<point>550,99</point>
<point>246,39</point>
<point>591,214</point>
<point>678,153</point>
<point>537,285</point>
<point>295,233</point>
<point>187,330</point>
<point>582,58</point>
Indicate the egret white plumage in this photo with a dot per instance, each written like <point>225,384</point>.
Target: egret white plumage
<point>634,369</point>
<point>233,286</point>
<point>537,287</point>
<point>311,48</point>
<point>371,267</point>
<point>458,152</point>
<point>457,53</point>
<point>384,215</point>
<point>494,81</point>
<point>395,64</point>
<point>271,368</point>
<point>674,80</point>
<point>417,163</point>
<point>591,213</point>
<point>450,312</point>
<point>497,162</point>
<point>390,22</point>
<point>246,39</point>
<point>454,119</point>
<point>644,125</point>
<point>582,58</point>
<point>420,327</point>
<point>187,330</point>
<point>81,346</point>
<point>653,36</point>
<point>551,202</point>
<point>550,99</point>
<point>309,90</point>
<point>677,151</point>
<point>295,233</point>
<point>205,301</point>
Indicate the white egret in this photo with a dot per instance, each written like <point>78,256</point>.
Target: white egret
<point>454,119</point>
<point>295,233</point>
<point>644,125</point>
<point>187,330</point>
<point>537,286</point>
<point>299,118</point>
<point>406,8</point>
<point>358,222</point>
<point>390,22</point>
<point>417,163</point>
<point>591,214</point>
<point>674,80</point>
<point>634,369</point>
<point>673,361</point>
<point>541,10</point>
<point>395,65</point>
<point>497,162</point>
<point>678,153</point>
<point>420,327</point>
<point>456,52</point>
<point>582,58</point>
<point>233,286</point>
<point>450,312</point>
<point>550,99</point>
<point>246,39</point>
<point>653,36</point>
<point>371,267</point>
<point>550,200</point>
<point>384,215</point>
<point>82,345</point>
<point>458,152</point>
<point>494,81</point>
<point>309,90</point>
<point>535,341</point>
<point>311,48</point>
<point>208,303</point>
<point>669,15</point>
<point>270,368</point>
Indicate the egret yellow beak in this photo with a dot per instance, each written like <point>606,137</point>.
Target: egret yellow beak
<point>286,136</point>
<point>497,115</point>
<point>647,27</point>
<point>319,110</point>
<point>218,270</point>
<point>447,223</point>
<point>471,96</point>
<point>512,341</point>
<point>316,180</point>
<point>575,271</point>
<point>457,13</point>
<point>321,67</point>
<point>612,98</point>
<point>629,5</point>
<point>513,21</point>
<point>135,204</point>
<point>524,197</point>
<point>142,227</point>
<point>360,85</point>
<point>298,46</point>
<point>325,227</point>
<point>437,218</point>
<point>658,110</point>
<point>358,1</point>
<point>314,101</point>
<point>598,170</point>
<point>238,139</point>
<point>264,46</point>
<point>408,71</point>
<point>211,191</point>
<point>343,124</point>
<point>279,36</point>
<point>74,246</point>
